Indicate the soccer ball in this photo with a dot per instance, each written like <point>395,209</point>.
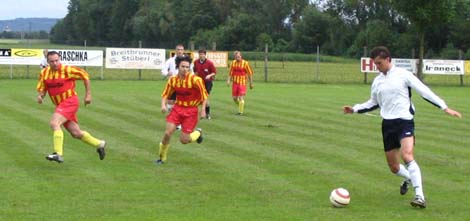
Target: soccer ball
<point>339,197</point>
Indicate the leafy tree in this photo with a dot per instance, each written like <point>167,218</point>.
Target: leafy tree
<point>460,25</point>
<point>311,30</point>
<point>424,14</point>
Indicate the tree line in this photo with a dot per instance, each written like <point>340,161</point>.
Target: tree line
<point>338,27</point>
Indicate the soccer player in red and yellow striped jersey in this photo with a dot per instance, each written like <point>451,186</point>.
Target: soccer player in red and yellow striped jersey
<point>190,93</point>
<point>59,82</point>
<point>239,72</point>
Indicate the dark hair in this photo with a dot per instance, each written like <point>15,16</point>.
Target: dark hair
<point>179,59</point>
<point>380,51</point>
<point>52,53</point>
<point>202,51</point>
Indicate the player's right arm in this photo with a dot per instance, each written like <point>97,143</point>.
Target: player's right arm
<point>41,88</point>
<point>165,68</point>
<point>230,74</point>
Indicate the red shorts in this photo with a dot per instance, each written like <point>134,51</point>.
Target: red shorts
<point>238,90</point>
<point>186,116</point>
<point>69,108</point>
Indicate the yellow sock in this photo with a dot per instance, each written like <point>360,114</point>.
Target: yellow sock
<point>87,138</point>
<point>241,106</point>
<point>163,151</point>
<point>58,138</point>
<point>194,135</point>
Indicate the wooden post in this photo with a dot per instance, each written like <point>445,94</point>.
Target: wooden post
<point>365,73</point>
<point>140,70</point>
<point>266,62</point>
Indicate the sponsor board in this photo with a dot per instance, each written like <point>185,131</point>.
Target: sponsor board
<point>445,67</point>
<point>219,58</point>
<point>467,67</point>
<point>135,58</point>
<point>367,64</point>
<point>21,56</point>
<point>80,57</point>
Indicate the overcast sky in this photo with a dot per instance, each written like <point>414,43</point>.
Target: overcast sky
<point>11,9</point>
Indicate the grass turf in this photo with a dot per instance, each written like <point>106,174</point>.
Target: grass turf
<point>278,162</point>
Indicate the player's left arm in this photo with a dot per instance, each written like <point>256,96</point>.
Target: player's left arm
<point>249,73</point>
<point>78,73</point>
<point>213,72</point>
<point>87,91</point>
<point>203,95</point>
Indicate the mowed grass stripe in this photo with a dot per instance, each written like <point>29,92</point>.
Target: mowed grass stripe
<point>244,167</point>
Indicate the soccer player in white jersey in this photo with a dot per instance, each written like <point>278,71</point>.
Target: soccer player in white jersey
<point>391,92</point>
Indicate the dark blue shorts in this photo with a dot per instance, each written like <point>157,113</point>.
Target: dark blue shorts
<point>395,130</point>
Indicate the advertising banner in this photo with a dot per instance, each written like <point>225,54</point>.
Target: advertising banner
<point>219,58</point>
<point>20,56</point>
<point>135,58</point>
<point>446,67</point>
<point>80,57</point>
<point>367,64</point>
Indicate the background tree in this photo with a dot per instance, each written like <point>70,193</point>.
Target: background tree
<point>424,14</point>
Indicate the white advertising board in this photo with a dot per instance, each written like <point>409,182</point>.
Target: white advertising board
<point>135,58</point>
<point>445,67</point>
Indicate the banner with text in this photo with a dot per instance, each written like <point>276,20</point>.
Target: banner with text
<point>80,57</point>
<point>367,64</point>
<point>447,67</point>
<point>21,56</point>
<point>467,67</point>
<point>135,58</point>
<point>219,58</point>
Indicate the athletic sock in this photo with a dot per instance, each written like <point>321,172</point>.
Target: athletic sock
<point>87,138</point>
<point>241,106</point>
<point>208,110</point>
<point>194,135</point>
<point>403,172</point>
<point>163,151</point>
<point>415,175</point>
<point>58,140</point>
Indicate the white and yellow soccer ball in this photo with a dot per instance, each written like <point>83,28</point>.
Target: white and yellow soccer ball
<point>340,197</point>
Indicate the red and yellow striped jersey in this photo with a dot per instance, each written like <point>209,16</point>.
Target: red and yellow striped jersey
<point>60,84</point>
<point>190,91</point>
<point>239,70</point>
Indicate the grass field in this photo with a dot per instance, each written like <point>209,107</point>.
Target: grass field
<point>279,162</point>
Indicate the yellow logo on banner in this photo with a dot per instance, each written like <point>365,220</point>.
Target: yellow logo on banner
<point>19,52</point>
<point>467,67</point>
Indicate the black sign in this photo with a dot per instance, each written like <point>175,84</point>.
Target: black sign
<point>5,52</point>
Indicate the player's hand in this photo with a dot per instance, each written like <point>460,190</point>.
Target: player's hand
<point>164,109</point>
<point>453,113</point>
<point>252,86</point>
<point>228,83</point>
<point>348,110</point>
<point>203,113</point>
<point>40,99</point>
<point>87,99</point>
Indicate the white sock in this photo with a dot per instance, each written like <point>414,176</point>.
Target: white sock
<point>403,172</point>
<point>169,107</point>
<point>415,175</point>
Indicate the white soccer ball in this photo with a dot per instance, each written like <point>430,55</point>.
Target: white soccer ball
<point>339,197</point>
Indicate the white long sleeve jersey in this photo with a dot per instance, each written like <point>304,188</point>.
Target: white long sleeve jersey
<point>169,68</point>
<point>391,93</point>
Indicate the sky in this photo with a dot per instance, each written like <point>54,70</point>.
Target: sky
<point>11,9</point>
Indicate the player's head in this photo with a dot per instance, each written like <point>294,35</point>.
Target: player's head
<point>382,58</point>
<point>202,54</point>
<point>183,63</point>
<point>179,50</point>
<point>53,59</point>
<point>237,55</point>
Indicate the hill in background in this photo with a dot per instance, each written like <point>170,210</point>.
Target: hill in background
<point>28,24</point>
